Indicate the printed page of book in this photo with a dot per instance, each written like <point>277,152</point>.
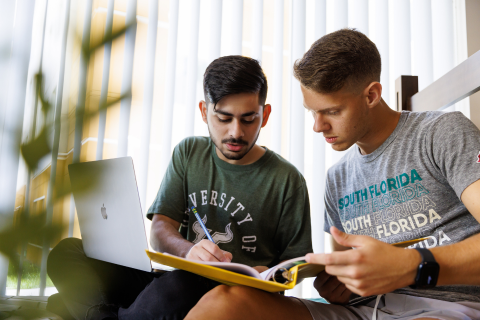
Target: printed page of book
<point>268,274</point>
<point>230,266</point>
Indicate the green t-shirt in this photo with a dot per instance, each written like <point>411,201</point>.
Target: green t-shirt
<point>259,212</point>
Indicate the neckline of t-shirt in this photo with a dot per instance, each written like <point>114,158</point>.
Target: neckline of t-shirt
<point>235,167</point>
<point>375,154</point>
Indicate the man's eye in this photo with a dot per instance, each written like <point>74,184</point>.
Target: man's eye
<point>248,120</point>
<point>333,113</point>
<point>224,120</point>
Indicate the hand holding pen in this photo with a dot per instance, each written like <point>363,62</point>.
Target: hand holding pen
<point>207,250</point>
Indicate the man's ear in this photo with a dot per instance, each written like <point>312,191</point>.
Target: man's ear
<point>203,110</point>
<point>373,94</point>
<point>266,114</point>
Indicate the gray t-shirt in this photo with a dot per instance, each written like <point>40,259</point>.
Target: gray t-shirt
<point>410,187</point>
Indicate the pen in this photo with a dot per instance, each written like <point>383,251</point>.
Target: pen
<point>194,210</point>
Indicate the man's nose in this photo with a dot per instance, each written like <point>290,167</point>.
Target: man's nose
<point>236,130</point>
<point>320,125</point>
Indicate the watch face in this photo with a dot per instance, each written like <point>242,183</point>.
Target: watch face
<point>427,274</point>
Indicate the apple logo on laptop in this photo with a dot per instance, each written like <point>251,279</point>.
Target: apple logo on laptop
<point>104,211</point>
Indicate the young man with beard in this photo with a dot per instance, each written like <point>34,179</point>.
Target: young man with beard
<point>253,202</point>
<point>408,175</point>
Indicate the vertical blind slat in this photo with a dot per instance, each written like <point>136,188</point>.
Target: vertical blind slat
<point>169,86</point>
<point>277,80</point>
<point>215,29</point>
<point>382,42</point>
<point>102,115</point>
<point>297,112</point>
<point>82,82</point>
<point>422,47</point>
<point>192,63</point>
<point>257,30</point>
<point>358,15</point>
<point>126,103</point>
<point>401,38</point>
<point>7,15</point>
<point>320,19</point>
<point>144,152</point>
<point>82,87</point>
<point>237,27</point>
<point>443,37</point>
<point>340,14</point>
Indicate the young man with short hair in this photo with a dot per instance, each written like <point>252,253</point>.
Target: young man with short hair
<point>408,175</point>
<point>253,202</point>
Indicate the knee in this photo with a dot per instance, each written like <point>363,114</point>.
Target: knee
<point>178,282</point>
<point>63,252</point>
<point>226,297</point>
<point>221,301</point>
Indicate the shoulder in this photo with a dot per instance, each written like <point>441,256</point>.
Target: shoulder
<point>452,119</point>
<point>441,126</point>
<point>431,119</point>
<point>192,144</point>
<point>191,148</point>
<point>285,169</point>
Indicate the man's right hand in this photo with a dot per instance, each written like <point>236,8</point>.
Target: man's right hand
<point>331,289</point>
<point>206,250</point>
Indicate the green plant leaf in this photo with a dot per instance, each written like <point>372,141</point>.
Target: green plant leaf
<point>36,149</point>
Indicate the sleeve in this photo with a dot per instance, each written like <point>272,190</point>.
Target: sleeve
<point>170,197</point>
<point>332,215</point>
<point>294,235</point>
<point>454,148</point>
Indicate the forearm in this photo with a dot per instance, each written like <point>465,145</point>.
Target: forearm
<point>459,262</point>
<point>165,238</point>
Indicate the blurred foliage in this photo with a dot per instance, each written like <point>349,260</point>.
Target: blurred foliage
<point>38,147</point>
<point>31,226</point>
<point>30,276</point>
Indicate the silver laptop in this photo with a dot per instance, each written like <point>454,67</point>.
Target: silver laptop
<point>109,212</point>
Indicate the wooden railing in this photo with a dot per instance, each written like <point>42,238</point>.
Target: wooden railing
<point>459,83</point>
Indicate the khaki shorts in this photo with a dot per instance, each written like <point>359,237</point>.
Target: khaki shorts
<point>394,306</point>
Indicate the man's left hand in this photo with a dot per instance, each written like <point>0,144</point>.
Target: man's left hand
<point>374,267</point>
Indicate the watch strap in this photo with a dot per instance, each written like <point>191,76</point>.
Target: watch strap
<point>425,269</point>
<point>426,254</point>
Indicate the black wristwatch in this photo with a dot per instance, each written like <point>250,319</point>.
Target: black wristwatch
<point>427,273</point>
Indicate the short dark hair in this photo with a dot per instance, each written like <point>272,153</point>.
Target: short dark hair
<point>343,57</point>
<point>231,75</point>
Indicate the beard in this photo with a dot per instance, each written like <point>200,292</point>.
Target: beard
<point>230,155</point>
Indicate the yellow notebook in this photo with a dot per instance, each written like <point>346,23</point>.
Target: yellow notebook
<point>294,270</point>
